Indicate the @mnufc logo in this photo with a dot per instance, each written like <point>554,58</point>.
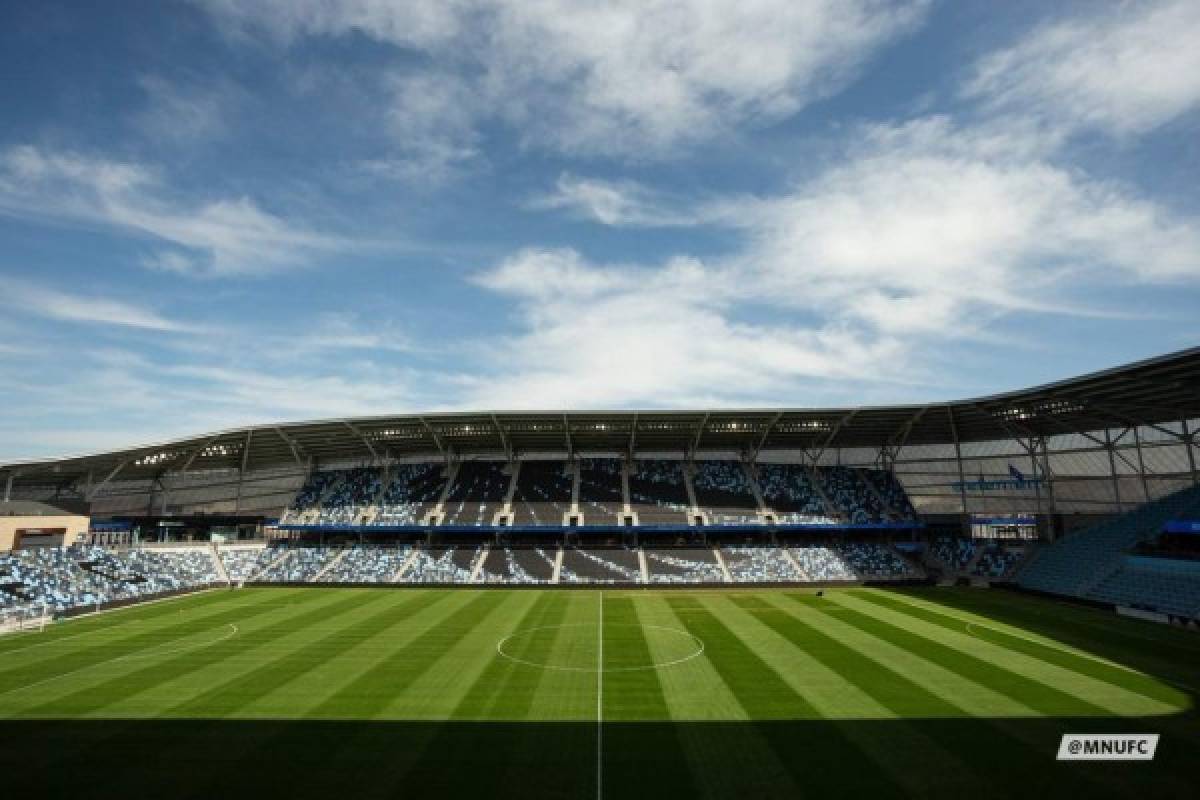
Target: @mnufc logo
<point>1107,747</point>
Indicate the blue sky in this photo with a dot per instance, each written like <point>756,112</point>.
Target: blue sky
<point>218,212</point>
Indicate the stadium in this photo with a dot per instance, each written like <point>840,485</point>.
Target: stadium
<point>611,399</point>
<point>599,604</point>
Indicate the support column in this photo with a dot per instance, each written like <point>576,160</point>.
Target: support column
<point>1191,454</point>
<point>576,472</point>
<point>1037,486</point>
<point>8,486</point>
<point>1047,476</point>
<point>962,481</point>
<point>1112,468</point>
<point>1137,442</point>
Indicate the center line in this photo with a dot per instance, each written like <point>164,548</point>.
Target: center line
<point>600,702</point>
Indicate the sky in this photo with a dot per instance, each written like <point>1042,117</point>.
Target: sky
<point>221,212</point>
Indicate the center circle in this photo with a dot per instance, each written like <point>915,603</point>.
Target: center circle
<point>576,647</point>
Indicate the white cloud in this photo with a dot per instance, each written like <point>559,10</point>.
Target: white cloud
<point>633,78</point>
<point>1127,69</point>
<point>922,228</point>
<point>25,298</point>
<point>432,118</point>
<point>608,336</point>
<point>924,233</point>
<point>617,203</point>
<point>186,114</point>
<point>220,237</point>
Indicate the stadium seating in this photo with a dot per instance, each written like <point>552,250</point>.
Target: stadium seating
<point>849,491</point>
<point>683,565</point>
<point>309,496</point>
<point>604,565</point>
<point>759,564</point>
<point>1154,588</point>
<point>411,493</point>
<point>297,565</point>
<point>724,493</point>
<point>518,565</point>
<point>818,563</point>
<point>62,578</point>
<point>477,494</point>
<point>953,554</point>
<point>367,564</point>
<point>600,493</point>
<point>441,565</point>
<point>543,493</point>
<point>995,561</point>
<point>788,491</point>
<point>242,562</point>
<point>352,495</point>
<point>658,493</point>
<point>899,506</point>
<point>875,561</point>
<point>1083,560</point>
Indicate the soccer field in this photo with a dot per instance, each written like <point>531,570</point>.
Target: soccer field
<point>719,693</point>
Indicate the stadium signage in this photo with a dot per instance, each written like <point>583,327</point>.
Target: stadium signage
<point>1107,747</point>
<point>1016,480</point>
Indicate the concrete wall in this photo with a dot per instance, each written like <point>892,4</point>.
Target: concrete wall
<point>75,526</point>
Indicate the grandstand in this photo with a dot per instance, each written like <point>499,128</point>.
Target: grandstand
<point>1096,464</point>
<point>665,594</point>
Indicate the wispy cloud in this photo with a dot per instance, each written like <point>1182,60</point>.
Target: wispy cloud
<point>923,232</point>
<point>631,79</point>
<point>619,203</point>
<point>187,113</point>
<point>221,236</point>
<point>21,297</point>
<point>1122,68</point>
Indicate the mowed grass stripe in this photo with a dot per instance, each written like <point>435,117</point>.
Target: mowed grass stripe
<point>62,632</point>
<point>92,650</point>
<point>437,691</point>
<point>831,694</point>
<point>504,690</point>
<point>765,695</point>
<point>1079,663</point>
<point>972,699</point>
<point>309,690</point>
<point>906,743</point>
<point>373,613</point>
<point>366,695</point>
<point>89,664</point>
<point>694,689</point>
<point>1006,740</point>
<point>712,726</point>
<point>1124,640</point>
<point>175,667</point>
<point>1025,695</point>
<point>1048,689</point>
<point>359,748</point>
<point>637,695</point>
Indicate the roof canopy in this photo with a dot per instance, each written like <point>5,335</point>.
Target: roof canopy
<point>1160,390</point>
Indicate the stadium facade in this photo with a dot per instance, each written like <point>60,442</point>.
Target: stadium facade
<point>1098,444</point>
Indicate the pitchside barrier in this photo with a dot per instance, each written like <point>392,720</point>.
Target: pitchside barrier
<point>595,586</point>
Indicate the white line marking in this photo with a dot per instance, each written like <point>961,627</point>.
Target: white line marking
<point>233,631</point>
<point>600,703</point>
<point>659,665</point>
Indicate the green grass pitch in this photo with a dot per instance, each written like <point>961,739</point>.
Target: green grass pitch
<point>338,693</point>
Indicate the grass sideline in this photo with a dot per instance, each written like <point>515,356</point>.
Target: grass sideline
<point>458,692</point>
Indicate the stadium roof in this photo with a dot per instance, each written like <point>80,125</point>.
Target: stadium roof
<point>1155,391</point>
